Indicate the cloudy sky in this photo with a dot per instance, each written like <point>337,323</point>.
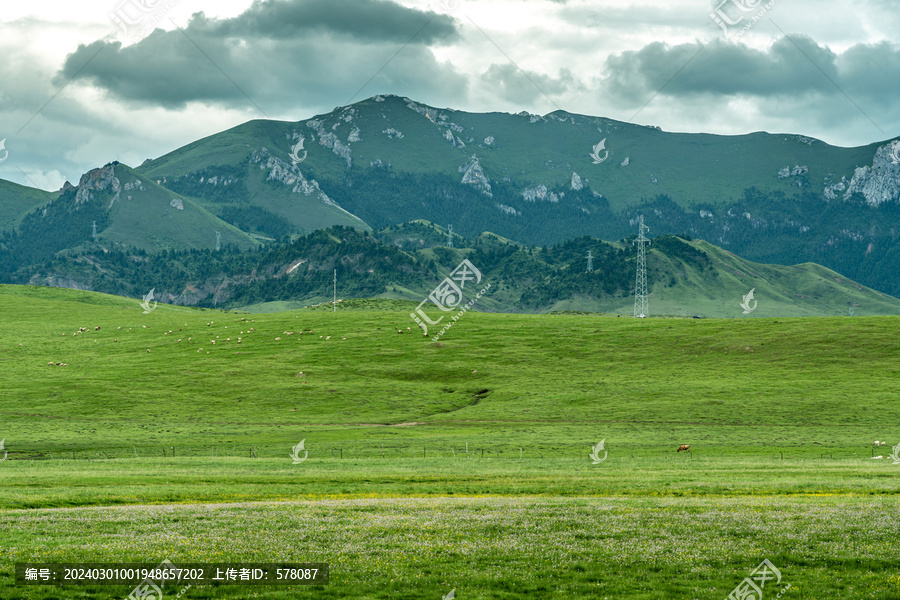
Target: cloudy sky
<point>85,83</point>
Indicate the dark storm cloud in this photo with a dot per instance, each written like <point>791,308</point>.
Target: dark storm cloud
<point>375,20</point>
<point>279,53</point>
<point>786,69</point>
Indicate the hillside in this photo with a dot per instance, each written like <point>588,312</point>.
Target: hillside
<point>778,198</point>
<point>17,200</point>
<point>687,277</point>
<point>537,180</point>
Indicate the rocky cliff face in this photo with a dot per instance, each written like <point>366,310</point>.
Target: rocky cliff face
<point>473,174</point>
<point>881,182</point>
<point>98,180</point>
<point>290,175</point>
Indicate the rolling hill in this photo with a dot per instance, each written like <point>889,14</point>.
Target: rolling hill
<point>405,262</point>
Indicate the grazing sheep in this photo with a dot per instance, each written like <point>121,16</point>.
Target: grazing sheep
<point>97,328</point>
<point>884,443</point>
<point>50,364</point>
<point>684,448</point>
<point>876,443</point>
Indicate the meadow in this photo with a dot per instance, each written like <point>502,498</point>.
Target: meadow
<point>453,465</point>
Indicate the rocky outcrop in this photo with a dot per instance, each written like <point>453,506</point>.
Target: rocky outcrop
<point>98,180</point>
<point>331,141</point>
<point>432,114</point>
<point>625,162</point>
<point>288,174</point>
<point>393,133</point>
<point>576,184</point>
<point>789,172</point>
<point>531,118</point>
<point>508,210</point>
<point>879,183</point>
<point>176,204</point>
<point>837,186</point>
<point>457,143</point>
<point>539,192</point>
<point>473,174</point>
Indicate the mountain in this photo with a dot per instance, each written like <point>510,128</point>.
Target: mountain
<point>541,180</point>
<point>127,210</point>
<point>538,180</point>
<point>406,262</point>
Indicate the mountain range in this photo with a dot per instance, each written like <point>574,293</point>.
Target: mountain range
<point>538,180</point>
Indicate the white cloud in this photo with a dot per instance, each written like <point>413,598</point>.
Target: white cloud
<point>577,52</point>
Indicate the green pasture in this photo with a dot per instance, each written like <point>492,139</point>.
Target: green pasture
<point>144,448</point>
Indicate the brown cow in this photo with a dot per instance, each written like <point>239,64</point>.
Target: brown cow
<point>684,447</point>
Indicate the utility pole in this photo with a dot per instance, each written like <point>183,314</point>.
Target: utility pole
<point>640,283</point>
<point>450,236</point>
<point>334,304</point>
<point>218,241</point>
<point>95,231</point>
<point>590,266</point>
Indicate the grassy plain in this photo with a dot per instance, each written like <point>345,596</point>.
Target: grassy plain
<point>780,415</point>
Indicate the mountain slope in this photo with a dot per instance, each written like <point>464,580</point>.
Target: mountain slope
<point>779,198</point>
<point>686,277</point>
<point>541,180</point>
<point>18,200</point>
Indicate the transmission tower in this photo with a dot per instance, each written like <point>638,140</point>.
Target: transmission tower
<point>590,258</point>
<point>450,236</point>
<point>218,241</point>
<point>95,231</point>
<point>640,283</point>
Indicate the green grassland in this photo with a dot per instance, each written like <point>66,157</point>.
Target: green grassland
<point>151,445</point>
